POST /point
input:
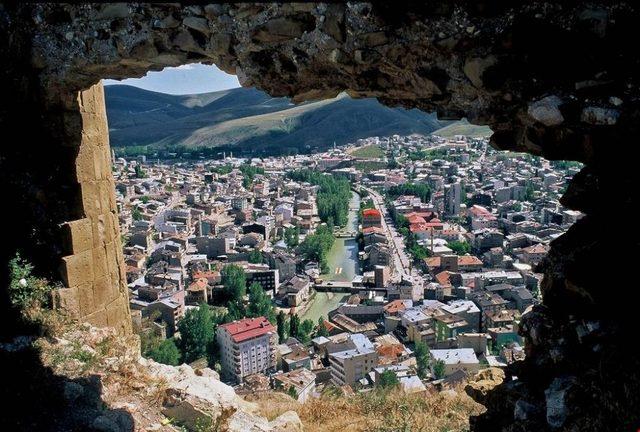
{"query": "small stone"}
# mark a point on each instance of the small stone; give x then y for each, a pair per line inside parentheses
(556, 399)
(474, 69)
(211, 11)
(616, 101)
(68, 36)
(524, 410)
(546, 111)
(198, 24)
(114, 11)
(599, 116)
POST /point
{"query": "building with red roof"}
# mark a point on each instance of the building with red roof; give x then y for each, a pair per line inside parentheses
(371, 218)
(247, 347)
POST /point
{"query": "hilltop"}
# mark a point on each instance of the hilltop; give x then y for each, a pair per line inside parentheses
(250, 119)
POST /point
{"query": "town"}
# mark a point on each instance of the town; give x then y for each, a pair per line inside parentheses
(401, 261)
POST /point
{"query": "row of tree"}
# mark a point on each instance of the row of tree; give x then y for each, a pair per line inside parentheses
(421, 190)
(333, 195)
(315, 247)
(304, 331)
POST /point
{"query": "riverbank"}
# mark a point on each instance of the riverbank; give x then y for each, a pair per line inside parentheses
(343, 264)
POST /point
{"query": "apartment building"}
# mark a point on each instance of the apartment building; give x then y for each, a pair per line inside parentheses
(247, 347)
(351, 360)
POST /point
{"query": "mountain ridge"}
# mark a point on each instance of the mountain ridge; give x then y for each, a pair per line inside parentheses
(251, 121)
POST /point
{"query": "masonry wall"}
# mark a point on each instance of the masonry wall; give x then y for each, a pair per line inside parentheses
(93, 271)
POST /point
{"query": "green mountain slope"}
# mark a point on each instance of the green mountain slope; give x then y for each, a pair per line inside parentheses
(251, 121)
(463, 127)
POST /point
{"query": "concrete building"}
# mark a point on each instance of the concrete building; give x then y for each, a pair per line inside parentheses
(303, 381)
(461, 359)
(371, 218)
(452, 199)
(247, 347)
(354, 359)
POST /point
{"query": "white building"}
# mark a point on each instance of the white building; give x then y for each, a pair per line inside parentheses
(351, 364)
(247, 347)
(457, 359)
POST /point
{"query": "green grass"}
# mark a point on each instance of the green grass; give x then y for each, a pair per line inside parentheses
(369, 152)
(463, 127)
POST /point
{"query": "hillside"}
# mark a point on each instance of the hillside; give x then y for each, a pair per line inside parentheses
(463, 127)
(250, 119)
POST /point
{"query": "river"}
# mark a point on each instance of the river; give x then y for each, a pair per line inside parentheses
(343, 266)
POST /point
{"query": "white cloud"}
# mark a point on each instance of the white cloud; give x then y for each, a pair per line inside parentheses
(184, 67)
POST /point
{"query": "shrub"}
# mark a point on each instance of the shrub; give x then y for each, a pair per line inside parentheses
(25, 289)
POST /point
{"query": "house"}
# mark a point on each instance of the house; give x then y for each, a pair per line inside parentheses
(302, 381)
(460, 359)
(371, 218)
(297, 290)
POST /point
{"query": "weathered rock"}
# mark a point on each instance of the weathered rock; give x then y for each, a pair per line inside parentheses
(599, 116)
(474, 69)
(198, 24)
(546, 111)
(483, 382)
(557, 396)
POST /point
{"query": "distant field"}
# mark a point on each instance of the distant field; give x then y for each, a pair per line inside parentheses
(369, 152)
(463, 127)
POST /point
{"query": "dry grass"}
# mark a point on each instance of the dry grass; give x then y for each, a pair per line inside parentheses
(377, 411)
(272, 404)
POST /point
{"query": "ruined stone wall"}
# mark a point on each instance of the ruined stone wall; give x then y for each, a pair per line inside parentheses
(93, 271)
(554, 78)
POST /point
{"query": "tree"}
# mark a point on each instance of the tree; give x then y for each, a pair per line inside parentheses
(260, 303)
(315, 247)
(235, 310)
(255, 257)
(439, 369)
(292, 236)
(422, 359)
(459, 248)
(294, 326)
(234, 282)
(281, 322)
(196, 333)
(388, 380)
(305, 331)
(140, 173)
(136, 214)
(322, 329)
(291, 391)
(166, 352)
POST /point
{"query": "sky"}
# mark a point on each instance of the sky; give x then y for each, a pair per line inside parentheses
(186, 79)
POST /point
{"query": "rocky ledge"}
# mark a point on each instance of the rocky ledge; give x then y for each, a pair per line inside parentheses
(108, 387)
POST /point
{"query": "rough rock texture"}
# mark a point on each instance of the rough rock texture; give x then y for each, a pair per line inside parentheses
(102, 384)
(558, 79)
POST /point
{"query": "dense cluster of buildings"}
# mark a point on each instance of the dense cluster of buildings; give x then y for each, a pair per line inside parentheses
(485, 228)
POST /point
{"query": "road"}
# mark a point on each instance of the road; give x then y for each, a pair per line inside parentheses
(401, 259)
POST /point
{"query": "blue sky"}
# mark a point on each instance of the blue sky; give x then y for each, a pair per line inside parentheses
(186, 79)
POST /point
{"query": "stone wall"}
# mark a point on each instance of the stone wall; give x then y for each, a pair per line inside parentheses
(94, 272)
(552, 78)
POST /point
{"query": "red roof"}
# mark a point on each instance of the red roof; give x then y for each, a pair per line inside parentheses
(248, 328)
(370, 230)
(415, 219)
(371, 212)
